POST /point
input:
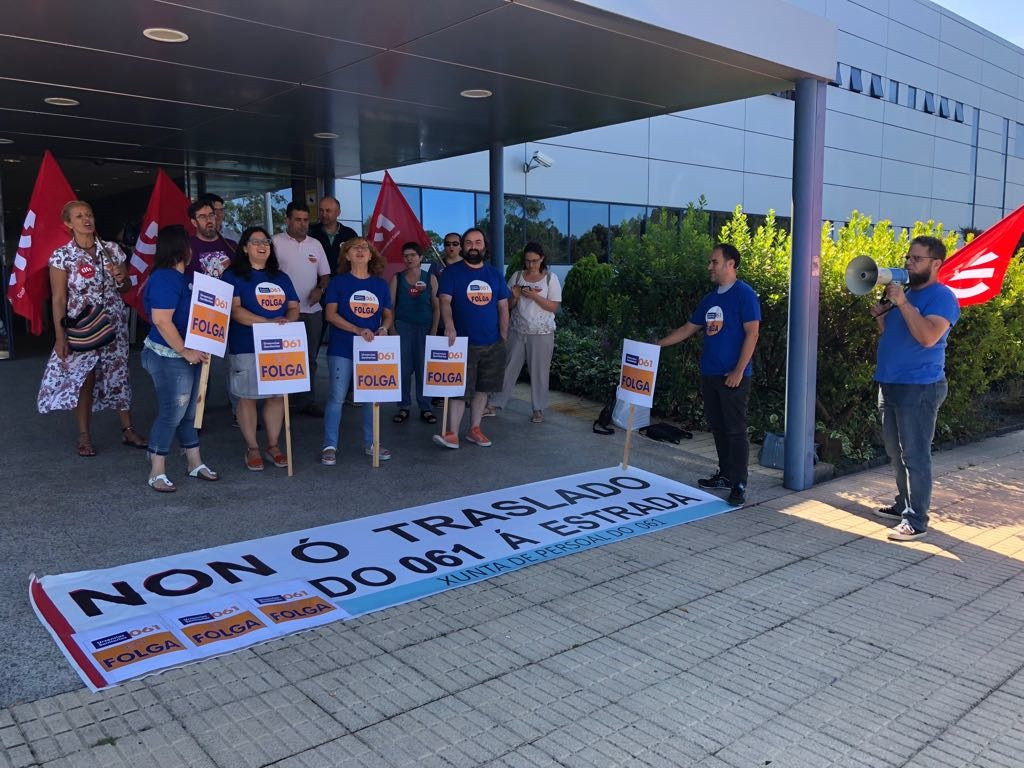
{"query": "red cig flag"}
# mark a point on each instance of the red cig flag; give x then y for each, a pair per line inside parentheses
(42, 233)
(393, 224)
(167, 205)
(975, 273)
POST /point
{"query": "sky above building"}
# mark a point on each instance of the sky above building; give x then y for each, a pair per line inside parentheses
(1003, 17)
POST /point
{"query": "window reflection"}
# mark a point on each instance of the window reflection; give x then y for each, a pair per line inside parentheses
(588, 230)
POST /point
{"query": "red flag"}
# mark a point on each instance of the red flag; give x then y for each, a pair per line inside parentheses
(393, 224)
(975, 273)
(42, 233)
(167, 205)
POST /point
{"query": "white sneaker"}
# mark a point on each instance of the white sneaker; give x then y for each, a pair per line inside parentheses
(385, 454)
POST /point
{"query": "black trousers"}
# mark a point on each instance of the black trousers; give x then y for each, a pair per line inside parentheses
(726, 411)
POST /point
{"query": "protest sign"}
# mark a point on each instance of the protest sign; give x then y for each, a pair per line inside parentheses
(282, 359)
(445, 374)
(210, 315)
(376, 370)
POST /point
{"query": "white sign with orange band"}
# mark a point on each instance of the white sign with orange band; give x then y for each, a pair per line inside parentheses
(376, 370)
(445, 374)
(639, 372)
(210, 315)
(282, 358)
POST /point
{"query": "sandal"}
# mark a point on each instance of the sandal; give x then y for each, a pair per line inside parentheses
(162, 484)
(490, 410)
(277, 458)
(401, 416)
(203, 472)
(537, 418)
(85, 446)
(138, 442)
(428, 416)
(253, 460)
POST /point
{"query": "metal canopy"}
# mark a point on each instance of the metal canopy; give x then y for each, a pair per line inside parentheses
(244, 95)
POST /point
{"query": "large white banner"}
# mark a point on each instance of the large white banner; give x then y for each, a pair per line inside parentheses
(445, 374)
(282, 358)
(209, 316)
(119, 623)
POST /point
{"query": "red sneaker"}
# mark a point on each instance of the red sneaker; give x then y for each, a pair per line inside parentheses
(476, 436)
(448, 440)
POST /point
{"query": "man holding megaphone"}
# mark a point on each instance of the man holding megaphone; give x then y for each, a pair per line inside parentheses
(914, 322)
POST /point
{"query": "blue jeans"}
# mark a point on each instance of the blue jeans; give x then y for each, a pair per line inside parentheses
(340, 381)
(413, 340)
(177, 389)
(908, 414)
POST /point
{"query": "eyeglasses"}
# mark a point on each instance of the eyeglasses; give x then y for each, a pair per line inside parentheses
(362, 248)
(452, 244)
(259, 242)
(531, 261)
(206, 217)
(915, 259)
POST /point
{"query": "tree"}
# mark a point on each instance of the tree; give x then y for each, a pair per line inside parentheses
(244, 212)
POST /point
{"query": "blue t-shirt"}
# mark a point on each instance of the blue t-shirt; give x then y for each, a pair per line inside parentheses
(475, 295)
(901, 358)
(168, 289)
(261, 294)
(722, 315)
(361, 301)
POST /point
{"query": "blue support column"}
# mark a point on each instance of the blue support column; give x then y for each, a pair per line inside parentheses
(496, 235)
(802, 355)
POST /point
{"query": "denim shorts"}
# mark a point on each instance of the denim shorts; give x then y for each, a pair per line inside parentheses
(244, 382)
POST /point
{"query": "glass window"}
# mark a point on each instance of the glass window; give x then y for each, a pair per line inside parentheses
(412, 196)
(943, 107)
(626, 220)
(446, 211)
(1019, 143)
(876, 87)
(545, 221)
(839, 75)
(958, 112)
(912, 97)
(894, 92)
(929, 102)
(588, 230)
(856, 84)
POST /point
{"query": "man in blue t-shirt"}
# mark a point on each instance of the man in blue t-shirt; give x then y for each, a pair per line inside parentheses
(474, 303)
(731, 319)
(911, 379)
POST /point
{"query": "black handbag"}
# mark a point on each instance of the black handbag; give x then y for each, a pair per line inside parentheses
(90, 330)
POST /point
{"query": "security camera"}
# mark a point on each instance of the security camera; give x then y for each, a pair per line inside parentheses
(539, 159)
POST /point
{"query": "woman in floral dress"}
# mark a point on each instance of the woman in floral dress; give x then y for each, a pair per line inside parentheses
(88, 272)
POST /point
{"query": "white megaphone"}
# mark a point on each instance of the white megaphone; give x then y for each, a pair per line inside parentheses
(863, 274)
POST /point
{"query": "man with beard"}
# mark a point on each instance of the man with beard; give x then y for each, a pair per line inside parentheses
(330, 232)
(211, 253)
(474, 303)
(911, 380)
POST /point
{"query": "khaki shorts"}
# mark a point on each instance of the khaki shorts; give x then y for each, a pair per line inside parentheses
(485, 369)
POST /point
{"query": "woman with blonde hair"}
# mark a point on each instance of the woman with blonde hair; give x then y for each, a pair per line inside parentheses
(357, 303)
(88, 368)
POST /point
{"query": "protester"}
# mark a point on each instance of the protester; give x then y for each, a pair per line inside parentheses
(474, 303)
(175, 369)
(263, 294)
(911, 380)
(357, 303)
(730, 317)
(302, 258)
(536, 297)
(451, 254)
(211, 252)
(87, 278)
(414, 299)
(219, 211)
(331, 233)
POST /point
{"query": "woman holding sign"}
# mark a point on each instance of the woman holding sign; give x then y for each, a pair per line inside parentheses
(263, 294)
(414, 298)
(357, 303)
(174, 368)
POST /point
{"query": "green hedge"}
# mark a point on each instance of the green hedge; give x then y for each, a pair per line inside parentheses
(654, 280)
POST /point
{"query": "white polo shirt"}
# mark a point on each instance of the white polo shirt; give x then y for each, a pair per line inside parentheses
(304, 262)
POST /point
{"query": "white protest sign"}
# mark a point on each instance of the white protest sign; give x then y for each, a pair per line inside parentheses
(209, 315)
(445, 374)
(282, 359)
(376, 370)
(638, 373)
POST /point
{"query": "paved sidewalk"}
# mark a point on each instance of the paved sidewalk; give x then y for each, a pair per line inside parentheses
(788, 633)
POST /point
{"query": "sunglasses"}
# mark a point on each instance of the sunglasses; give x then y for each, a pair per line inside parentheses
(452, 244)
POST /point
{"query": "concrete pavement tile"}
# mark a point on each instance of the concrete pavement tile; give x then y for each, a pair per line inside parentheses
(344, 752)
(460, 659)
(164, 746)
(261, 729)
(313, 653)
(370, 691)
(537, 632)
